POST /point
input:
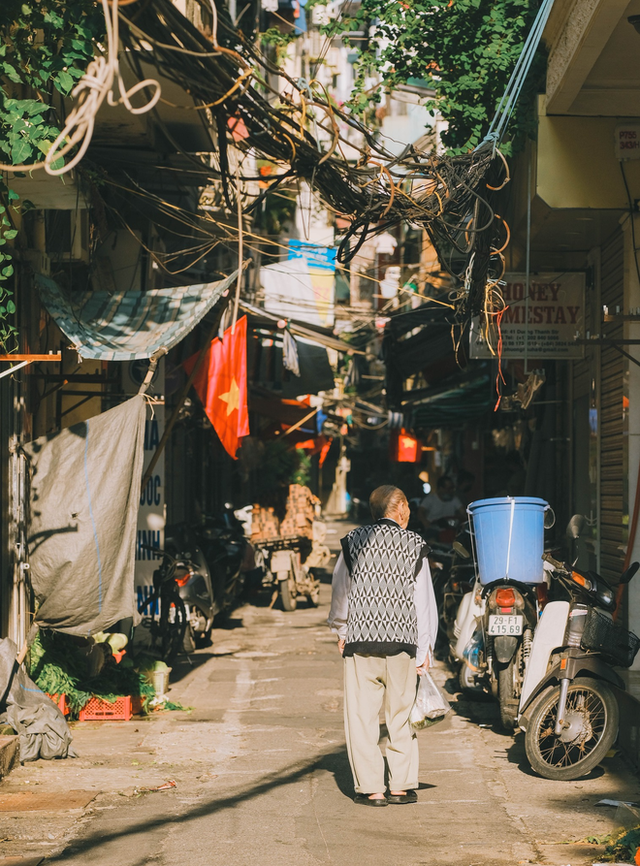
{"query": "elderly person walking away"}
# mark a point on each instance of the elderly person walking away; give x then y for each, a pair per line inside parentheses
(383, 610)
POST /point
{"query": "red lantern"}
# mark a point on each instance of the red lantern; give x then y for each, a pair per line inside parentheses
(408, 449)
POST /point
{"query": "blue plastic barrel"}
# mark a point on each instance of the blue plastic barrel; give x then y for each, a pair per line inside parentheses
(509, 538)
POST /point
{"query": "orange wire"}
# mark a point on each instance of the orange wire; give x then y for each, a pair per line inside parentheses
(507, 178)
(506, 243)
(500, 375)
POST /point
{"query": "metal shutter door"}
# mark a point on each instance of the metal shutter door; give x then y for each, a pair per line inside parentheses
(612, 452)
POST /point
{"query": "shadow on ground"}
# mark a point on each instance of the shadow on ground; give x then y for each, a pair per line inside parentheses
(334, 762)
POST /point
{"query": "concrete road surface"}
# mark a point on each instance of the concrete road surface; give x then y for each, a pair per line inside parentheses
(262, 779)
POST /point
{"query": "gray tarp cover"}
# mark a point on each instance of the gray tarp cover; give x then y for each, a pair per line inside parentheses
(42, 728)
(85, 492)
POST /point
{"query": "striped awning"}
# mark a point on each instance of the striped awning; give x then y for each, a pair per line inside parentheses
(125, 326)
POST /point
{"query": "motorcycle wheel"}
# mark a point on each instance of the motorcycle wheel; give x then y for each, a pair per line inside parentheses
(592, 714)
(507, 695)
(288, 593)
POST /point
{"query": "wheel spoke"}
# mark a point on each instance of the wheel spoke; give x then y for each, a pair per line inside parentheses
(584, 705)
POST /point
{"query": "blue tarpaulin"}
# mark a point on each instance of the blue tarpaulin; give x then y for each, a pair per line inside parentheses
(125, 326)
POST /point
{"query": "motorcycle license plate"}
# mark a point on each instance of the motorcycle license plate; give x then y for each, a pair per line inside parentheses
(503, 624)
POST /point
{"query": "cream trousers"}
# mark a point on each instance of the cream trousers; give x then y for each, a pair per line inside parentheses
(370, 681)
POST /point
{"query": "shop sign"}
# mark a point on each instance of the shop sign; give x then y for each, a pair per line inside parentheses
(317, 256)
(545, 322)
(151, 515)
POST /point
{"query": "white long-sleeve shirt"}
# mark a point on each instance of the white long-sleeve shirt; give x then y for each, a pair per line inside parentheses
(424, 600)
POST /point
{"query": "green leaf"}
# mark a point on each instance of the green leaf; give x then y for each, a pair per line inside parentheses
(8, 271)
(35, 108)
(11, 307)
(11, 72)
(64, 82)
(10, 234)
(20, 152)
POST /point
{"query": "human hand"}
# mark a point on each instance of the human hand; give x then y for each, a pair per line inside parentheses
(341, 643)
(423, 668)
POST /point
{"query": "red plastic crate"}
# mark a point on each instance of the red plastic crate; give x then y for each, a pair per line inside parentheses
(61, 702)
(98, 710)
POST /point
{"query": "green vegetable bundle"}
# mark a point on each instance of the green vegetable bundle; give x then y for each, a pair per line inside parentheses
(58, 665)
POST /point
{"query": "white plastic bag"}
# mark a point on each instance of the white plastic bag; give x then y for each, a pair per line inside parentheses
(430, 705)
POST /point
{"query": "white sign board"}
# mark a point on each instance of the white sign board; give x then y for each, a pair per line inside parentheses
(152, 514)
(547, 322)
(627, 141)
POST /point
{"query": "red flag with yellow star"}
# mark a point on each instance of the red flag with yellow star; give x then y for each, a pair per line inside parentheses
(221, 384)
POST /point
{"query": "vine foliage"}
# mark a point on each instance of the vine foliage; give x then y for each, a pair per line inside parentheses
(8, 331)
(464, 49)
(45, 47)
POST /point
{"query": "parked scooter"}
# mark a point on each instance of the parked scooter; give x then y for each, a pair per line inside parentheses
(460, 581)
(510, 618)
(567, 708)
(494, 629)
(195, 587)
(229, 557)
(493, 636)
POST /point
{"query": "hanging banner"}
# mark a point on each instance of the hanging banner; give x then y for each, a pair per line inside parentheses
(151, 513)
(545, 322)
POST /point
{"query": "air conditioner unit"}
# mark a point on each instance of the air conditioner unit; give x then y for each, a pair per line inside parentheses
(39, 262)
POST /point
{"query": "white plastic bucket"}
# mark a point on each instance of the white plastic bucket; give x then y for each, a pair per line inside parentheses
(160, 681)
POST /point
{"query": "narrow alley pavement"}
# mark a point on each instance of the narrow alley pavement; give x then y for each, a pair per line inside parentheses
(262, 779)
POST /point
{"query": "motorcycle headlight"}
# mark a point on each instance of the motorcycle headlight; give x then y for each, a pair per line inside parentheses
(606, 596)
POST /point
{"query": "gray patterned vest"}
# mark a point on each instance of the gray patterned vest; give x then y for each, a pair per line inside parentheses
(383, 561)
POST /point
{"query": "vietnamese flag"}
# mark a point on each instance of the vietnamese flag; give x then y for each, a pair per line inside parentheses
(221, 384)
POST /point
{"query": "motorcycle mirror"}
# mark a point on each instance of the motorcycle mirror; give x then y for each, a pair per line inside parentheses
(630, 572)
(576, 526)
(461, 550)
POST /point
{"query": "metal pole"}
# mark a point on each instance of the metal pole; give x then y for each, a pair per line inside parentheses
(527, 278)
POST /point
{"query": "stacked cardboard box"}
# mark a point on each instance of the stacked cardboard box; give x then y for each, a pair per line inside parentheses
(265, 526)
(300, 513)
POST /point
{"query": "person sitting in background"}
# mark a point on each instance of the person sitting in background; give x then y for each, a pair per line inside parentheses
(439, 506)
(464, 484)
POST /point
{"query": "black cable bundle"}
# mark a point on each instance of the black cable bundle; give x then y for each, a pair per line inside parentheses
(447, 195)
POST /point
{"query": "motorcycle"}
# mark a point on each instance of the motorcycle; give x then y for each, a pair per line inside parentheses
(510, 619)
(495, 625)
(453, 574)
(459, 581)
(493, 637)
(567, 709)
(467, 642)
(229, 557)
(195, 588)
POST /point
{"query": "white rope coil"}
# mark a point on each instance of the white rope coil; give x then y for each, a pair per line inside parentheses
(96, 85)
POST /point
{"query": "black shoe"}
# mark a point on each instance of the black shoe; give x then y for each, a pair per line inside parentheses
(409, 797)
(363, 800)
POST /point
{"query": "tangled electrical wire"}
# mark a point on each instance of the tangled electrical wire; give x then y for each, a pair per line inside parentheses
(235, 91)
